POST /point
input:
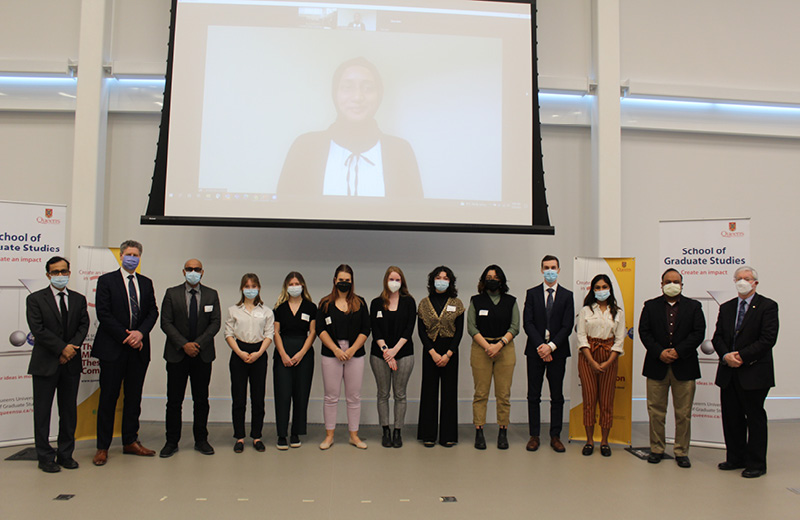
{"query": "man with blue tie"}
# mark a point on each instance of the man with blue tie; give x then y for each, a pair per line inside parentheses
(747, 329)
(548, 319)
(126, 312)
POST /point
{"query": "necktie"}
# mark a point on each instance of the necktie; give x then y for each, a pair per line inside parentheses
(740, 319)
(549, 305)
(62, 306)
(134, 299)
(192, 315)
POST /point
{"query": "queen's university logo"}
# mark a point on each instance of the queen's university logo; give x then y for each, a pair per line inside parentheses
(732, 226)
(48, 213)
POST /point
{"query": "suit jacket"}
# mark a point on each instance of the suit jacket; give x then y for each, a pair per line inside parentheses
(175, 323)
(113, 314)
(44, 320)
(754, 343)
(562, 319)
(690, 330)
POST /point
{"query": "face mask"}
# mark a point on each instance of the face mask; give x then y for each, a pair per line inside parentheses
(550, 275)
(671, 289)
(59, 282)
(441, 285)
(130, 262)
(602, 296)
(492, 285)
(193, 277)
(743, 287)
(250, 294)
(394, 285)
(343, 286)
(294, 290)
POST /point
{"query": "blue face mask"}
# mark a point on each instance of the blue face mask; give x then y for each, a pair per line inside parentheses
(602, 296)
(250, 293)
(441, 285)
(193, 277)
(130, 262)
(550, 275)
(59, 282)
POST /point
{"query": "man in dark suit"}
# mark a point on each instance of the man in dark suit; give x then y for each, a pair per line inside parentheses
(59, 323)
(190, 317)
(671, 328)
(127, 312)
(548, 319)
(747, 329)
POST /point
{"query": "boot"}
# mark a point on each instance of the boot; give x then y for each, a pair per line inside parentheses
(480, 440)
(397, 440)
(386, 441)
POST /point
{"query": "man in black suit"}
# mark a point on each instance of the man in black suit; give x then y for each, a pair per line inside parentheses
(127, 312)
(671, 328)
(747, 329)
(548, 319)
(190, 317)
(59, 323)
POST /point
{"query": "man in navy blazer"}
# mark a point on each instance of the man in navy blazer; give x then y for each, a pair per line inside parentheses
(126, 312)
(548, 319)
(747, 329)
(59, 323)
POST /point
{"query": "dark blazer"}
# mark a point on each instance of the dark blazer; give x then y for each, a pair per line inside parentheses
(113, 314)
(689, 333)
(175, 323)
(754, 342)
(44, 320)
(562, 319)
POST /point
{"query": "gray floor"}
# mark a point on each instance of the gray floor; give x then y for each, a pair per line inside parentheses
(380, 483)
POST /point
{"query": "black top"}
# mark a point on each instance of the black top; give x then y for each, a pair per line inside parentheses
(442, 344)
(390, 326)
(295, 324)
(493, 321)
(340, 326)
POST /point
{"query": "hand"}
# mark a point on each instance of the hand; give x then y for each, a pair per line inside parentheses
(544, 350)
(732, 359)
(69, 352)
(597, 367)
(191, 348)
(297, 358)
(287, 361)
(62, 360)
(548, 359)
(389, 354)
(244, 356)
(435, 356)
(134, 339)
(253, 356)
(340, 354)
(665, 356)
(494, 349)
(392, 364)
(443, 360)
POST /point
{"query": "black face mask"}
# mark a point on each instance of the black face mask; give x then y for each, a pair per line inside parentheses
(492, 285)
(343, 286)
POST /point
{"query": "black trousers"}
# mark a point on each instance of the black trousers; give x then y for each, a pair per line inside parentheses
(432, 420)
(45, 388)
(256, 374)
(554, 370)
(744, 424)
(292, 387)
(128, 372)
(198, 372)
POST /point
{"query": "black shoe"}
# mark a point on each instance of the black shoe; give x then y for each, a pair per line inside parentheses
(204, 447)
(168, 450)
(294, 441)
(448, 444)
(238, 447)
(728, 466)
(480, 440)
(397, 439)
(259, 446)
(282, 444)
(605, 450)
(502, 439)
(429, 444)
(588, 449)
(49, 467)
(69, 463)
(386, 440)
(748, 473)
(655, 458)
(683, 462)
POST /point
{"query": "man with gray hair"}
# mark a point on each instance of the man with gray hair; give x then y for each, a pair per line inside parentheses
(747, 329)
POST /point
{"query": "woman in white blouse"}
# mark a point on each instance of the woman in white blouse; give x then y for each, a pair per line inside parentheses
(601, 332)
(248, 331)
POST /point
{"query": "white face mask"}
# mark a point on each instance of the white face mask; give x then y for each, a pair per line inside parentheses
(394, 285)
(294, 290)
(671, 289)
(743, 287)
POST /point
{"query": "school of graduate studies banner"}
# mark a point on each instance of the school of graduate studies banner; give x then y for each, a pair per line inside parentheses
(622, 273)
(92, 262)
(706, 253)
(30, 234)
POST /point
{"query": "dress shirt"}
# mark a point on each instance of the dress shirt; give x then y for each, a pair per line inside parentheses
(125, 275)
(58, 298)
(545, 293)
(599, 324)
(189, 290)
(250, 326)
(365, 171)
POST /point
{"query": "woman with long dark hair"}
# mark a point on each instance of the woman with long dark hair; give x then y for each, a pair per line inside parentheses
(343, 327)
(601, 332)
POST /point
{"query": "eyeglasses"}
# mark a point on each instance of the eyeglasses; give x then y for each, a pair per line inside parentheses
(195, 269)
(62, 272)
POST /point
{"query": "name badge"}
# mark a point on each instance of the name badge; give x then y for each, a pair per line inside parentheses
(305, 317)
(328, 320)
(208, 308)
(380, 314)
(483, 312)
(451, 308)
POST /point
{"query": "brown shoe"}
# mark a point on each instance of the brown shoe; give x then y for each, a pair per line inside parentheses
(533, 444)
(100, 458)
(136, 448)
(557, 445)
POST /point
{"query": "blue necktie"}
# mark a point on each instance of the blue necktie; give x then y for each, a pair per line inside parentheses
(740, 319)
(134, 299)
